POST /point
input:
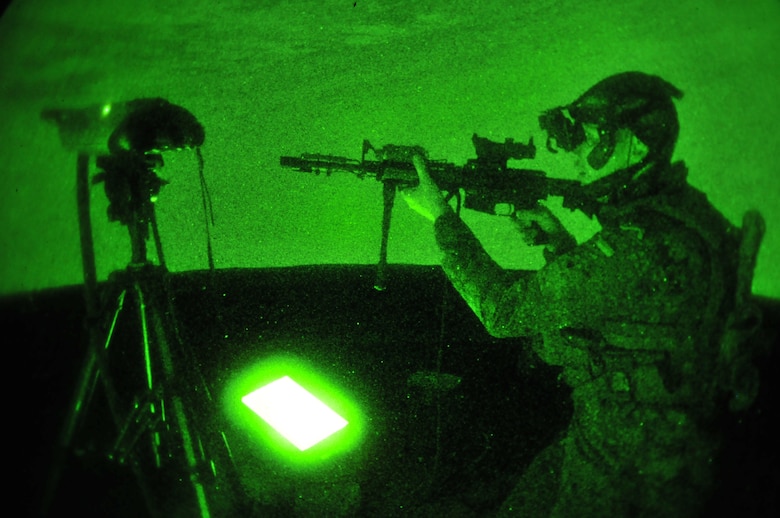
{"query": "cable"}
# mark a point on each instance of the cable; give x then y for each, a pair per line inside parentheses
(208, 210)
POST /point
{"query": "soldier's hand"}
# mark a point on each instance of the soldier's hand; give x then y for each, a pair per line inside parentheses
(426, 198)
(537, 224)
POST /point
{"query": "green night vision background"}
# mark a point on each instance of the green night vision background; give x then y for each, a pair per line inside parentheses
(273, 78)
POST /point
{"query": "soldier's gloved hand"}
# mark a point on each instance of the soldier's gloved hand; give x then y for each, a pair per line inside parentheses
(426, 198)
(538, 225)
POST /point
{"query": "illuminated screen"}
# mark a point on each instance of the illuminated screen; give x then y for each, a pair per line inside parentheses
(294, 412)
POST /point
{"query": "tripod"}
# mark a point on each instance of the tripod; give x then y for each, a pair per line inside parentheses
(152, 391)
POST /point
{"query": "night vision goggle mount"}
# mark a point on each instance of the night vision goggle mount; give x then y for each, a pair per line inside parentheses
(564, 124)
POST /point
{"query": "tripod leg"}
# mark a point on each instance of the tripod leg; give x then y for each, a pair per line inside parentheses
(75, 412)
(206, 466)
(93, 369)
(182, 423)
(86, 377)
(85, 385)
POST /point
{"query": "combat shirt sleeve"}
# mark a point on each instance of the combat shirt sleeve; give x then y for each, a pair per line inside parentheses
(506, 304)
(623, 274)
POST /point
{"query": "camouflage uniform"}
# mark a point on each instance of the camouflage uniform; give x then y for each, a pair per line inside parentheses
(632, 316)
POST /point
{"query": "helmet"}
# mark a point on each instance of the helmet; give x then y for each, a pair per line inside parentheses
(156, 124)
(636, 101)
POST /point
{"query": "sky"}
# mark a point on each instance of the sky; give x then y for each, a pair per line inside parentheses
(271, 79)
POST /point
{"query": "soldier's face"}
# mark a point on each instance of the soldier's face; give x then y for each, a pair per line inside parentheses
(628, 151)
(574, 165)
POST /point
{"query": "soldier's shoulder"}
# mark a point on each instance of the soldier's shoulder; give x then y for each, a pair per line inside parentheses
(648, 232)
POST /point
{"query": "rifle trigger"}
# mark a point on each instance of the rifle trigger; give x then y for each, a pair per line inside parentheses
(503, 209)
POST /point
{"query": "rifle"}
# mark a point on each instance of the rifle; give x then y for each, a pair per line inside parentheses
(483, 184)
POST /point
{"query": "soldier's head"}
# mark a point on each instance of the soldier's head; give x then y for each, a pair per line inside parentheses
(626, 123)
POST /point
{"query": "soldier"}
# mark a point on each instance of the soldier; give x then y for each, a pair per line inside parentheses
(648, 318)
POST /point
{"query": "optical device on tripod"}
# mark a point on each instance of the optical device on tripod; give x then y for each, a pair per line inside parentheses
(181, 463)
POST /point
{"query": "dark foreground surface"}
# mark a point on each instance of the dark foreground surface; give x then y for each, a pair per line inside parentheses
(453, 415)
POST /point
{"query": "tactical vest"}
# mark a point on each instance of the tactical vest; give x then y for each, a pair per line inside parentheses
(712, 358)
